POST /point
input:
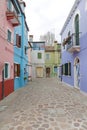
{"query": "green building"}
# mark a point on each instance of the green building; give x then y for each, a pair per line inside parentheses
(52, 59)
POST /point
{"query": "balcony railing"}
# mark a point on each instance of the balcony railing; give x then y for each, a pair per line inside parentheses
(73, 45)
(12, 17)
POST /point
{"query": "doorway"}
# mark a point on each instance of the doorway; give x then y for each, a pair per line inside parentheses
(77, 73)
(39, 72)
(48, 72)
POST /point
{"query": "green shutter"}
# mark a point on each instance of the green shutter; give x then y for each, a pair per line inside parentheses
(6, 70)
(77, 29)
(39, 56)
(69, 68)
(66, 69)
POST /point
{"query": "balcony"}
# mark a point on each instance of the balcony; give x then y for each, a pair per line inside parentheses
(13, 18)
(73, 44)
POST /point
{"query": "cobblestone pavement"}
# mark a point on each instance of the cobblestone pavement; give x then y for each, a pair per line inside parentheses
(45, 104)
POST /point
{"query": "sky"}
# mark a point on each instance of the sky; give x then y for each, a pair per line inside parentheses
(47, 15)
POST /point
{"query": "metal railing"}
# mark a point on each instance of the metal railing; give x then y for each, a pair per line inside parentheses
(74, 41)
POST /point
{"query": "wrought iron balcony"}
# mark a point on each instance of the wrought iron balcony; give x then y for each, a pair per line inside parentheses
(12, 17)
(73, 44)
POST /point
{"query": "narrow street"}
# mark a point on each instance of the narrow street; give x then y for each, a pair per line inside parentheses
(45, 104)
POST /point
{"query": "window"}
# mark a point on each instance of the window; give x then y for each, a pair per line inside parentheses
(69, 41)
(63, 43)
(6, 71)
(55, 69)
(9, 5)
(77, 29)
(47, 56)
(66, 69)
(9, 35)
(39, 55)
(18, 40)
(25, 50)
(16, 70)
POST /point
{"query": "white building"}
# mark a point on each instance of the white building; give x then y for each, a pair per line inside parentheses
(38, 62)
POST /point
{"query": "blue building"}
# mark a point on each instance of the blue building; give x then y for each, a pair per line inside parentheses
(74, 46)
(20, 49)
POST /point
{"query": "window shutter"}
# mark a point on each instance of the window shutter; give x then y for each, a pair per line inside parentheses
(69, 68)
(66, 69)
(18, 40)
(18, 71)
(39, 55)
(15, 70)
(77, 29)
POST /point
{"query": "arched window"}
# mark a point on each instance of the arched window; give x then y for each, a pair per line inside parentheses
(77, 29)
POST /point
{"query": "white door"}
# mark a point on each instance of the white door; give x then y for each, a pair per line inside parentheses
(77, 73)
(39, 72)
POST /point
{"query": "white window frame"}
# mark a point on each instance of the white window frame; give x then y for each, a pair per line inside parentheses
(48, 56)
(7, 35)
(8, 70)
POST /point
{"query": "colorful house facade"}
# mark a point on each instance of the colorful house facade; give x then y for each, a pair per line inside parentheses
(74, 46)
(8, 20)
(21, 49)
(29, 62)
(52, 59)
(38, 59)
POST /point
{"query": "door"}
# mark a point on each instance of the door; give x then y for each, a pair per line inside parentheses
(39, 72)
(77, 73)
(48, 72)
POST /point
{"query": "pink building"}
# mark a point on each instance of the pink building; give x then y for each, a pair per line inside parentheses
(8, 20)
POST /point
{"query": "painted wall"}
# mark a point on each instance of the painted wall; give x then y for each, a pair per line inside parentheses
(38, 47)
(29, 63)
(54, 59)
(19, 53)
(6, 54)
(81, 9)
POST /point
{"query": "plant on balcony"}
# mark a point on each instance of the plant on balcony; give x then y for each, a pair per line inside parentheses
(66, 40)
(25, 78)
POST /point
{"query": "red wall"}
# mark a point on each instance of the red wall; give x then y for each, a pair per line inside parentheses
(8, 87)
(0, 90)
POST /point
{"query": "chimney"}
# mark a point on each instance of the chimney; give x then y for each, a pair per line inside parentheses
(22, 4)
(55, 41)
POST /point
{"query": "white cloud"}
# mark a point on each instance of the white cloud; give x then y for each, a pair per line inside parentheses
(45, 15)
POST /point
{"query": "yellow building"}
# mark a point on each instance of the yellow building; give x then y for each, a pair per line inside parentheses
(52, 59)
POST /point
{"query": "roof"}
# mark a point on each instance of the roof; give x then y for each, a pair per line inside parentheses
(21, 11)
(38, 42)
(74, 7)
(49, 48)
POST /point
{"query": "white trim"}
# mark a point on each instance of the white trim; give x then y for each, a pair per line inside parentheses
(73, 20)
(75, 77)
(73, 9)
(8, 70)
(11, 35)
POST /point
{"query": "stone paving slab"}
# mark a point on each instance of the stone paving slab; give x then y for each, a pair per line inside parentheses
(44, 104)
